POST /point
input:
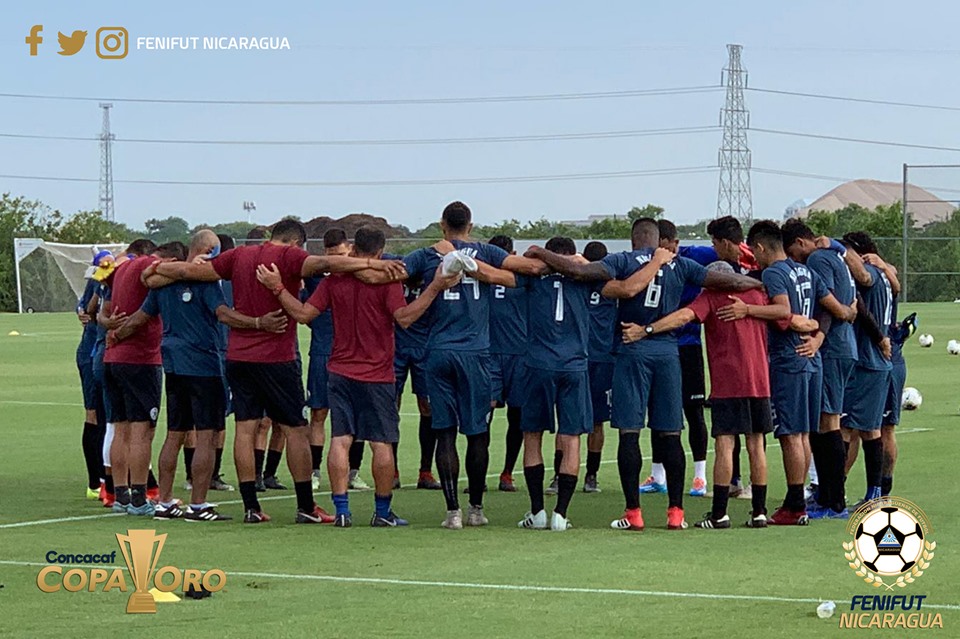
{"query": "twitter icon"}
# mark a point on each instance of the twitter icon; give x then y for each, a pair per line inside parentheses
(71, 44)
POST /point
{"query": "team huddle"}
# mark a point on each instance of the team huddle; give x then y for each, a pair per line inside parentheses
(801, 337)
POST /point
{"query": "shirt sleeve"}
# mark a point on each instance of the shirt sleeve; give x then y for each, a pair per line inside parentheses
(820, 267)
(701, 307)
(223, 264)
(616, 265)
(151, 305)
(700, 254)
(492, 255)
(393, 298)
(692, 273)
(293, 259)
(414, 263)
(320, 299)
(874, 274)
(213, 297)
(820, 289)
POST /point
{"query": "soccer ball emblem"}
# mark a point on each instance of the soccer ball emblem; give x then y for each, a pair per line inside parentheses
(889, 541)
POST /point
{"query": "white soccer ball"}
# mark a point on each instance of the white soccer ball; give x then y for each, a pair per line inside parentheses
(953, 347)
(911, 399)
(926, 340)
(889, 541)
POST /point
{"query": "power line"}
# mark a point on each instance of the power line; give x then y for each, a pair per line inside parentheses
(598, 135)
(840, 98)
(837, 138)
(595, 95)
(834, 178)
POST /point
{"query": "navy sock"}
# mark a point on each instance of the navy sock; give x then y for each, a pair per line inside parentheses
(382, 504)
(138, 495)
(534, 478)
(629, 463)
(566, 484)
(342, 504)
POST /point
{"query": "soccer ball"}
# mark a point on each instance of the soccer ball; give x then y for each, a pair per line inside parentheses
(889, 541)
(926, 340)
(911, 398)
(953, 347)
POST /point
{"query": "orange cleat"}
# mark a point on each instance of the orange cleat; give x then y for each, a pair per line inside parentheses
(632, 520)
(675, 520)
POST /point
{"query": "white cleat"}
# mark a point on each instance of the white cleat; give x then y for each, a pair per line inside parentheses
(315, 480)
(534, 522)
(454, 520)
(475, 516)
(355, 482)
(560, 523)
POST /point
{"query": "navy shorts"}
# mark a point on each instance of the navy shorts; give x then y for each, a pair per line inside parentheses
(507, 379)
(796, 401)
(836, 374)
(694, 384)
(556, 401)
(104, 415)
(866, 397)
(411, 361)
(601, 383)
(317, 377)
(195, 403)
(133, 391)
(366, 411)
(741, 416)
(458, 384)
(898, 379)
(88, 384)
(274, 390)
(646, 386)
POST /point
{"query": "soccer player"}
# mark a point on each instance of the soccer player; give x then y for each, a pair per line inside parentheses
(262, 367)
(795, 372)
(508, 345)
(321, 344)
(867, 389)
(646, 377)
(603, 320)
(362, 383)
(93, 425)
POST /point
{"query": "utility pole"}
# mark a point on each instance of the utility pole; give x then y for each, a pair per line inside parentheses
(734, 197)
(106, 165)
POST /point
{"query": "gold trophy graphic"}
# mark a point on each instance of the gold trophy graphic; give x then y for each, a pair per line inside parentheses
(138, 551)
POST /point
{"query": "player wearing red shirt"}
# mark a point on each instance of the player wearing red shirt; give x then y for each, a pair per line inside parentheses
(362, 387)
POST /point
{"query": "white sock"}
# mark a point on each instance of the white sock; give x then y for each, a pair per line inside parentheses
(659, 474)
(700, 470)
(199, 507)
(107, 442)
(813, 473)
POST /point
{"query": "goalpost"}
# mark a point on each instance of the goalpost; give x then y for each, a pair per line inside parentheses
(51, 276)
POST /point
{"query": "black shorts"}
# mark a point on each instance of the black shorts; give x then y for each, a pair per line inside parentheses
(133, 391)
(741, 416)
(272, 389)
(195, 403)
(691, 373)
(367, 411)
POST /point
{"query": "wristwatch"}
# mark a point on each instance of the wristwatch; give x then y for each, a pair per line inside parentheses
(648, 329)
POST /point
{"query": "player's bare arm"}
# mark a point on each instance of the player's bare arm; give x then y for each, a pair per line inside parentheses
(186, 271)
(840, 311)
(108, 319)
(569, 266)
(495, 276)
(273, 322)
(319, 264)
(639, 281)
(635, 332)
(299, 311)
(524, 265)
(888, 269)
(414, 310)
(801, 324)
(738, 309)
(857, 268)
(130, 326)
(729, 282)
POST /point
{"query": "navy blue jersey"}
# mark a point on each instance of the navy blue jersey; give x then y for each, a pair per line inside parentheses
(191, 343)
(414, 337)
(88, 338)
(227, 287)
(508, 319)
(321, 328)
(558, 322)
(878, 298)
(689, 334)
(829, 266)
(603, 324)
(103, 292)
(661, 297)
(803, 288)
(459, 319)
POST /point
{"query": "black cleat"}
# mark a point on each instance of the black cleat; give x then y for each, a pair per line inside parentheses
(272, 483)
(205, 514)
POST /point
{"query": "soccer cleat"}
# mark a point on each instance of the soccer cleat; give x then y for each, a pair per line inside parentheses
(590, 484)
(757, 521)
(746, 492)
(454, 520)
(699, 488)
(506, 483)
(784, 517)
(475, 516)
(427, 481)
(559, 523)
(255, 517)
(315, 480)
(735, 488)
(118, 507)
(833, 514)
(146, 510)
(205, 514)
(272, 483)
(103, 491)
(709, 522)
(342, 520)
(153, 494)
(651, 485)
(553, 487)
(108, 500)
(675, 520)
(631, 520)
(390, 521)
(810, 492)
(258, 484)
(355, 482)
(188, 485)
(217, 483)
(172, 511)
(92, 494)
(534, 522)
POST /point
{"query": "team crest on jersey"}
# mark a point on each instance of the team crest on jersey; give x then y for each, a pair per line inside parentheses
(186, 295)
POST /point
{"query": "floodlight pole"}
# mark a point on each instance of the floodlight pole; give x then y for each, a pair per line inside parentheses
(16, 268)
(906, 225)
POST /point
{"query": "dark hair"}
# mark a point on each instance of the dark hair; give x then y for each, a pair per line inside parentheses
(793, 230)
(457, 216)
(595, 251)
(288, 230)
(726, 228)
(176, 250)
(226, 242)
(334, 237)
(645, 228)
(767, 234)
(561, 246)
(503, 241)
(369, 241)
(668, 230)
(257, 233)
(860, 242)
(143, 246)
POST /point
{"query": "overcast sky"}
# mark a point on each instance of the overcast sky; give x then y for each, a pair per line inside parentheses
(381, 51)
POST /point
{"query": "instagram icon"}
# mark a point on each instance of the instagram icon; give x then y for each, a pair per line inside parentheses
(112, 43)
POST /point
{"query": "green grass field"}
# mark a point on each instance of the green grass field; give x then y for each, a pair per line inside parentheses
(292, 581)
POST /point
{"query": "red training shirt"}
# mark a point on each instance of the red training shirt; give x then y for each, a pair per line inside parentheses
(737, 350)
(252, 298)
(363, 343)
(127, 294)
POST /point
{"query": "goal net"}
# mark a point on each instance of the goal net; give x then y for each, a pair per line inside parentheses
(52, 276)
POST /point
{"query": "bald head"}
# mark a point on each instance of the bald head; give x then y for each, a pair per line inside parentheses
(202, 243)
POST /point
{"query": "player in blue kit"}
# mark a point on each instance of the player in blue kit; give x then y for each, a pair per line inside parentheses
(646, 378)
(898, 332)
(94, 425)
(795, 369)
(508, 345)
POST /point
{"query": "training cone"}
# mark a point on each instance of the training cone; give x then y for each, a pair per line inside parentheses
(13, 333)
(164, 597)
